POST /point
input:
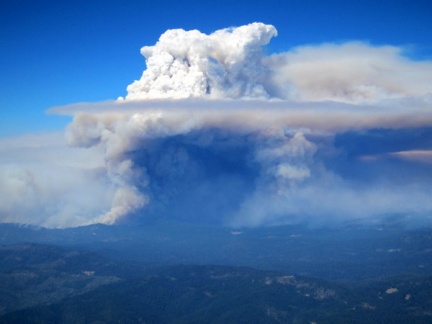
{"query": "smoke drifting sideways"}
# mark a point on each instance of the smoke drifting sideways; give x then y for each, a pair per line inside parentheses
(218, 131)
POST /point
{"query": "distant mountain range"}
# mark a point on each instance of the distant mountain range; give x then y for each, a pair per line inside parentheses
(351, 251)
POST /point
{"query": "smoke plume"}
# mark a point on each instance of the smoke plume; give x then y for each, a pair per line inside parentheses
(217, 131)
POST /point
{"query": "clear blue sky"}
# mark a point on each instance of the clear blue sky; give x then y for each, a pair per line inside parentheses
(59, 52)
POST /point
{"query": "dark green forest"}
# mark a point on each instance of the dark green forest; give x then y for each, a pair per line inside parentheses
(47, 284)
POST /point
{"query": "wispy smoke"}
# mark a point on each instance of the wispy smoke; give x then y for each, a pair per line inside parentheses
(215, 130)
(351, 72)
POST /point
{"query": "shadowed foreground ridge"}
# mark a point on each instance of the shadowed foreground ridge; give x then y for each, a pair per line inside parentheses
(92, 289)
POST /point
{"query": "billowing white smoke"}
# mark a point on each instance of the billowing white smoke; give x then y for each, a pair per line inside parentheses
(227, 63)
(216, 130)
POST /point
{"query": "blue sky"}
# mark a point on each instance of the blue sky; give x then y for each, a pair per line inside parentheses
(59, 52)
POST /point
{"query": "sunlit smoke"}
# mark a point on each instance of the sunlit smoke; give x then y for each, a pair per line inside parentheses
(227, 64)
